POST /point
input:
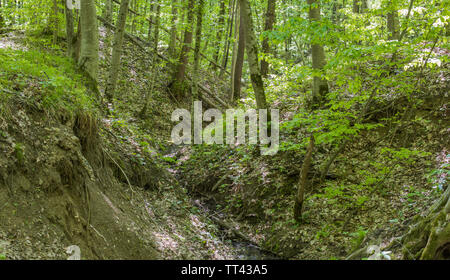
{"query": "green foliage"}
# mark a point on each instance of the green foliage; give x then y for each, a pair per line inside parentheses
(44, 81)
(358, 237)
(19, 150)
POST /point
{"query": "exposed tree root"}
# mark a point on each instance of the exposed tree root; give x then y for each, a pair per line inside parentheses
(429, 238)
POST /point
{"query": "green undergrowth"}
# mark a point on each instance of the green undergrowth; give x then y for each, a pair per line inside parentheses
(45, 80)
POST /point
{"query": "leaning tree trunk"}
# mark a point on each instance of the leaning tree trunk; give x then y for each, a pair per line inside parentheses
(88, 59)
(251, 46)
(429, 238)
(117, 50)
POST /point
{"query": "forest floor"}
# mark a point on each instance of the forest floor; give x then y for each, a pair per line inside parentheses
(72, 177)
(116, 187)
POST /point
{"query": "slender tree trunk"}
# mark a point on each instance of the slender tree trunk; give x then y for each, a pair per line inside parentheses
(88, 59)
(107, 12)
(251, 46)
(117, 50)
(55, 21)
(178, 84)
(198, 38)
(270, 21)
(227, 39)
(173, 29)
(356, 6)
(220, 31)
(393, 22)
(303, 181)
(320, 85)
(157, 19)
(150, 22)
(236, 74)
(69, 30)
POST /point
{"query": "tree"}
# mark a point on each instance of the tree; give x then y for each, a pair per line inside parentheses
(198, 41)
(156, 34)
(69, 30)
(238, 62)
(228, 38)
(320, 85)
(173, 29)
(251, 47)
(393, 21)
(220, 32)
(270, 21)
(178, 80)
(117, 50)
(88, 58)
(55, 21)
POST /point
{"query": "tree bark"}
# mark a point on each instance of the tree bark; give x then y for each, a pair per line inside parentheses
(55, 21)
(429, 238)
(270, 21)
(178, 83)
(251, 46)
(303, 181)
(320, 85)
(173, 29)
(117, 50)
(220, 31)
(227, 38)
(393, 22)
(88, 59)
(198, 38)
(238, 63)
(157, 19)
(69, 30)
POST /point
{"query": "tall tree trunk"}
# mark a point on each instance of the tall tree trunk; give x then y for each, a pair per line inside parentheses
(178, 83)
(238, 62)
(220, 31)
(356, 6)
(150, 22)
(228, 38)
(251, 46)
(198, 38)
(393, 22)
(117, 50)
(157, 19)
(173, 29)
(69, 30)
(55, 21)
(270, 21)
(107, 12)
(88, 59)
(320, 85)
